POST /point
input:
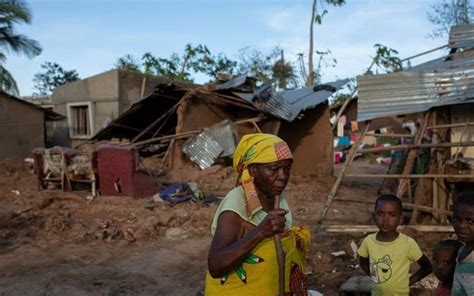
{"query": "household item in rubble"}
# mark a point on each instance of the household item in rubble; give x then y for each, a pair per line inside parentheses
(179, 192)
(121, 173)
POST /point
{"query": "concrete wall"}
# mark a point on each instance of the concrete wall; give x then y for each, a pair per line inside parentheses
(109, 94)
(21, 128)
(102, 87)
(130, 87)
(310, 139)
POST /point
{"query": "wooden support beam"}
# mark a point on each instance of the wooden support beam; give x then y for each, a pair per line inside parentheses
(373, 228)
(337, 183)
(256, 127)
(426, 209)
(154, 123)
(411, 157)
(391, 135)
(413, 146)
(414, 176)
(191, 133)
(451, 125)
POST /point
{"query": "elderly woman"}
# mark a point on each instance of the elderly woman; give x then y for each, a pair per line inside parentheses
(242, 259)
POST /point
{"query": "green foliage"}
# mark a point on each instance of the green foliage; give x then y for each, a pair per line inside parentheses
(386, 59)
(194, 60)
(268, 66)
(128, 62)
(53, 76)
(13, 13)
(340, 99)
(449, 13)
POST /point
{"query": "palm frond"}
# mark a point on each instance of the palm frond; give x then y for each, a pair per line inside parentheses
(18, 43)
(16, 11)
(7, 82)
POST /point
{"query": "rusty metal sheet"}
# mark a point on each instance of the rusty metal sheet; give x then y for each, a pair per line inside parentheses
(461, 36)
(412, 91)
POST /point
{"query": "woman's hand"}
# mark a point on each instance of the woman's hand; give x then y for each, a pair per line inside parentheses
(273, 223)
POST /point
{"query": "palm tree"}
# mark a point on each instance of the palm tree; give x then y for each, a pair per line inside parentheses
(13, 12)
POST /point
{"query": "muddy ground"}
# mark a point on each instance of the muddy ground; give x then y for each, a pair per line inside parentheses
(56, 243)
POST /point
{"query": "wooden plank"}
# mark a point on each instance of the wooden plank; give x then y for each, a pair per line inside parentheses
(337, 183)
(256, 127)
(190, 133)
(414, 176)
(168, 151)
(451, 125)
(391, 135)
(426, 209)
(373, 228)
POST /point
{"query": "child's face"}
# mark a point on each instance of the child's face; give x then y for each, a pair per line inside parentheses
(444, 262)
(387, 216)
(463, 222)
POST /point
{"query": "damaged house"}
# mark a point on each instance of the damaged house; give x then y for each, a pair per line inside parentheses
(194, 127)
(92, 103)
(438, 162)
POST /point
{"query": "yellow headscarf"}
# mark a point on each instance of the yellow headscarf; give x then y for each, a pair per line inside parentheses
(257, 148)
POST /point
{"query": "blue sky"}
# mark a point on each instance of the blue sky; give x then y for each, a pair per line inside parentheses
(90, 35)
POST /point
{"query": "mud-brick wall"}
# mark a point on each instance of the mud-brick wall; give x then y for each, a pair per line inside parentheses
(21, 128)
(310, 139)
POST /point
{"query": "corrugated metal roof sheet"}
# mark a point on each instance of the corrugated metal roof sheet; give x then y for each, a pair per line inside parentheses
(224, 134)
(203, 150)
(239, 82)
(459, 60)
(216, 141)
(412, 91)
(461, 36)
(306, 98)
(288, 104)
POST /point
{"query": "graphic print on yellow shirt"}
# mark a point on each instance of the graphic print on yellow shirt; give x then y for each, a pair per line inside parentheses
(381, 270)
(390, 262)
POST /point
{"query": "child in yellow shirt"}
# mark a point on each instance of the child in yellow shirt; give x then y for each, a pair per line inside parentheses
(387, 255)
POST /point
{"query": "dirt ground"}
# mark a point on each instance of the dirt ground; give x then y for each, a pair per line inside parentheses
(56, 243)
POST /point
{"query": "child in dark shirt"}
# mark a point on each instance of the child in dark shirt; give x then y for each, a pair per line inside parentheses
(444, 262)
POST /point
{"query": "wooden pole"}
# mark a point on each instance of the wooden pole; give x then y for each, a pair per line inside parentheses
(411, 157)
(412, 146)
(391, 135)
(336, 184)
(401, 176)
(280, 255)
(191, 133)
(172, 109)
(373, 228)
(256, 127)
(451, 125)
(168, 151)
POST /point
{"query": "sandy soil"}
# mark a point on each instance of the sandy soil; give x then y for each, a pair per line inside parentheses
(55, 243)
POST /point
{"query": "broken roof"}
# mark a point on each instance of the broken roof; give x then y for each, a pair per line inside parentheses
(461, 36)
(287, 104)
(441, 82)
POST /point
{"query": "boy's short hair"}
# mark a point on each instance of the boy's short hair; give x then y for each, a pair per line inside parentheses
(466, 199)
(390, 197)
(446, 244)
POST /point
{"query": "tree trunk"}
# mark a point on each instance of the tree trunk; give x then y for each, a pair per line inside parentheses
(310, 79)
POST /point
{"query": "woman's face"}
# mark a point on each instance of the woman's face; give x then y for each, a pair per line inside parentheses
(271, 178)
